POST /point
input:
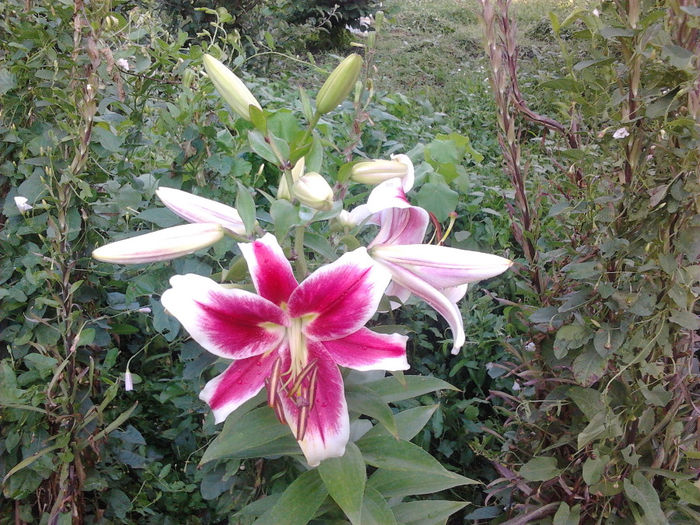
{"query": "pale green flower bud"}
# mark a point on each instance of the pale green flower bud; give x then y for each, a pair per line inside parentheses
(313, 191)
(376, 171)
(338, 84)
(297, 171)
(230, 87)
(161, 245)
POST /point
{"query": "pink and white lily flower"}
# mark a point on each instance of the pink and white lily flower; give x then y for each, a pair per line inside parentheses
(437, 274)
(290, 338)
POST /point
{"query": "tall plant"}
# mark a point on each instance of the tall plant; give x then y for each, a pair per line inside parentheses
(607, 426)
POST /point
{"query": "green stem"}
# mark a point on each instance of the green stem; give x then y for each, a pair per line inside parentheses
(302, 269)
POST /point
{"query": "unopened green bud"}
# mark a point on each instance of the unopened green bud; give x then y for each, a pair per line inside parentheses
(297, 171)
(338, 84)
(313, 191)
(230, 87)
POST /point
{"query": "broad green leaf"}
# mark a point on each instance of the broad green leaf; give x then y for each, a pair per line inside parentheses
(642, 492)
(375, 509)
(252, 431)
(685, 319)
(391, 389)
(261, 147)
(299, 503)
(369, 403)
(161, 217)
(8, 81)
(409, 422)
(426, 512)
(687, 491)
(607, 340)
(589, 366)
(345, 480)
(391, 483)
(593, 469)
(566, 515)
(438, 199)
(285, 215)
(587, 400)
(540, 469)
(570, 337)
(388, 453)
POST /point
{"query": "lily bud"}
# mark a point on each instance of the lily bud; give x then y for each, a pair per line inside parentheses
(313, 191)
(376, 171)
(338, 84)
(297, 171)
(230, 87)
(194, 208)
(161, 245)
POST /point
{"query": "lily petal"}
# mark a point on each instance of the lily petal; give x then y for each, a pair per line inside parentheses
(368, 350)
(237, 384)
(327, 427)
(269, 268)
(442, 266)
(401, 226)
(339, 298)
(160, 245)
(194, 208)
(420, 287)
(227, 322)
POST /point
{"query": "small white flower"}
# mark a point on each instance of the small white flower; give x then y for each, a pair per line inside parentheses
(488, 366)
(621, 133)
(596, 12)
(516, 386)
(123, 63)
(144, 310)
(530, 346)
(22, 204)
(128, 381)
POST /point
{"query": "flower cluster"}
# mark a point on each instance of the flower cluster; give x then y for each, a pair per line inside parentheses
(290, 337)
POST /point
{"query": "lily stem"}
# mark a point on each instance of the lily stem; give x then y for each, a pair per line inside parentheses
(302, 269)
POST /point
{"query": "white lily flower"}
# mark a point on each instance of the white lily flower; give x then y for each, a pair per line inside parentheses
(194, 208)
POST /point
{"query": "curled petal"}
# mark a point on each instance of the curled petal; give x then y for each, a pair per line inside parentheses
(326, 425)
(339, 298)
(194, 208)
(441, 266)
(401, 226)
(409, 178)
(368, 350)
(161, 245)
(237, 384)
(269, 269)
(227, 322)
(435, 298)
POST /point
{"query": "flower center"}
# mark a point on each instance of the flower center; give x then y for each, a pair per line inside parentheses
(297, 383)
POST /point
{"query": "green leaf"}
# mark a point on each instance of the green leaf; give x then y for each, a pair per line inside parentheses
(246, 208)
(364, 401)
(687, 491)
(642, 492)
(345, 480)
(41, 363)
(540, 469)
(161, 217)
(570, 337)
(438, 199)
(593, 469)
(8, 81)
(299, 503)
(388, 453)
(254, 430)
(285, 215)
(375, 509)
(391, 390)
(411, 483)
(685, 319)
(426, 512)
(261, 147)
(566, 515)
(589, 366)
(589, 401)
(408, 423)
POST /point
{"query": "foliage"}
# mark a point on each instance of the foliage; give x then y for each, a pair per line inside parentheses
(606, 426)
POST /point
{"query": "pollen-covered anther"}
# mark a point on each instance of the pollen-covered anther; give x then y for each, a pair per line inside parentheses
(272, 382)
(302, 422)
